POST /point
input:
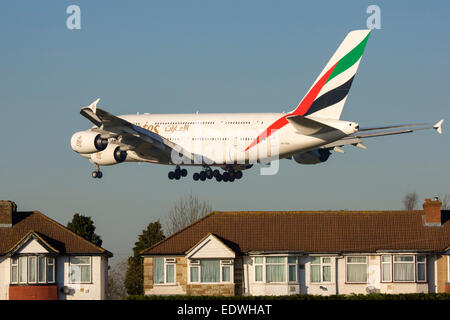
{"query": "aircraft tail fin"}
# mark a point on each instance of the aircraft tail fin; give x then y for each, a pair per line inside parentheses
(327, 96)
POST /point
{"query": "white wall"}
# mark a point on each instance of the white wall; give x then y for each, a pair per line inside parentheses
(4, 277)
(83, 291)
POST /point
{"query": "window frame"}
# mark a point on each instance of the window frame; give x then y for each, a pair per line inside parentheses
(28, 258)
(16, 272)
(321, 265)
(415, 262)
(391, 269)
(356, 263)
(286, 264)
(167, 261)
(195, 263)
(80, 264)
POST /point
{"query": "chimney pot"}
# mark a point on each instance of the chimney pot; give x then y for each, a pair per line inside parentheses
(7, 208)
(432, 210)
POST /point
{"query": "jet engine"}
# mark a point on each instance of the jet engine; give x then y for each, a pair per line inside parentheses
(111, 155)
(313, 156)
(88, 142)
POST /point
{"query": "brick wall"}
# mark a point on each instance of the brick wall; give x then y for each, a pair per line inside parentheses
(148, 273)
(33, 292)
(210, 289)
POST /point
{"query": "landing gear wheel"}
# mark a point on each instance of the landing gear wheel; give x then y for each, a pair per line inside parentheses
(238, 174)
(171, 175)
(219, 178)
(225, 177)
(196, 176)
(216, 173)
(99, 174)
(177, 174)
(183, 172)
(203, 175)
(209, 174)
(94, 174)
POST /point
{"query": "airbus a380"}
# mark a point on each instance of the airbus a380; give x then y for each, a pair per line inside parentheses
(235, 141)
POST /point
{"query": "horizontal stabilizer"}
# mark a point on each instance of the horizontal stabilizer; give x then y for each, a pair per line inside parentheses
(308, 127)
(438, 126)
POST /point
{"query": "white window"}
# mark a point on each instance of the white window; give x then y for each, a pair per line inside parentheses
(356, 269)
(50, 270)
(404, 268)
(320, 269)
(14, 270)
(32, 269)
(211, 271)
(259, 265)
(386, 268)
(421, 268)
(275, 269)
(164, 270)
(292, 269)
(79, 269)
(23, 269)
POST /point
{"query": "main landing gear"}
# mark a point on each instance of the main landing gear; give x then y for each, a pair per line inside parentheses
(208, 173)
(177, 173)
(97, 173)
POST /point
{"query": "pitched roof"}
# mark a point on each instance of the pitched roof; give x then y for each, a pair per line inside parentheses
(312, 231)
(49, 231)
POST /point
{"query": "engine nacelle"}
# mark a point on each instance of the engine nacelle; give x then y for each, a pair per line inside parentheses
(88, 142)
(313, 156)
(111, 155)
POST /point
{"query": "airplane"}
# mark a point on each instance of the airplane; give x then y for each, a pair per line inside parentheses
(234, 142)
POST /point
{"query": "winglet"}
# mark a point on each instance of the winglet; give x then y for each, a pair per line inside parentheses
(438, 126)
(93, 105)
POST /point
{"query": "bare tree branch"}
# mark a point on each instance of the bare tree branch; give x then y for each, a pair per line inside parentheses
(116, 279)
(184, 212)
(410, 201)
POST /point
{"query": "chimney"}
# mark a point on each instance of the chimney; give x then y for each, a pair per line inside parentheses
(432, 210)
(7, 208)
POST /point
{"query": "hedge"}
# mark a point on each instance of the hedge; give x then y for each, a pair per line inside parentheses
(373, 296)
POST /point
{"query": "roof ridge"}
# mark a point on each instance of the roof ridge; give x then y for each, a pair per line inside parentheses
(179, 231)
(67, 229)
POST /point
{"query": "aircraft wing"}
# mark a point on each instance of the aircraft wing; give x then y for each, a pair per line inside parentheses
(356, 138)
(130, 136)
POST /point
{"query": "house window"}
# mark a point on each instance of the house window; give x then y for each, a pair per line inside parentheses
(14, 269)
(259, 264)
(80, 270)
(275, 269)
(210, 271)
(320, 269)
(356, 269)
(32, 269)
(421, 264)
(292, 269)
(404, 268)
(386, 268)
(164, 270)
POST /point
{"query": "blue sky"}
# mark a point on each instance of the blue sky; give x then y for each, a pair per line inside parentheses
(215, 56)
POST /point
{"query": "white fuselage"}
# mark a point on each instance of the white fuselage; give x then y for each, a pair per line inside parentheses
(229, 138)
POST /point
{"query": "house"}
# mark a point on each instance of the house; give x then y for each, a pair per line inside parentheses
(41, 259)
(304, 252)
